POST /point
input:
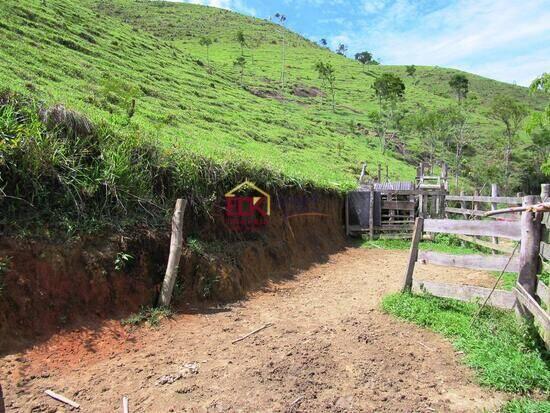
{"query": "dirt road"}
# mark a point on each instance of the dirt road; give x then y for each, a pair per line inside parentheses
(329, 348)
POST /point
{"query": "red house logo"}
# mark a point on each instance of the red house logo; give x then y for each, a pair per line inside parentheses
(247, 207)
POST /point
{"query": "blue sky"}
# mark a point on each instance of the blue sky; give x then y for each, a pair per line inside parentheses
(508, 40)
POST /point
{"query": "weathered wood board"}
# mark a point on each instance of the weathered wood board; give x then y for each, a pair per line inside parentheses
(487, 244)
(511, 230)
(474, 262)
(499, 298)
(491, 199)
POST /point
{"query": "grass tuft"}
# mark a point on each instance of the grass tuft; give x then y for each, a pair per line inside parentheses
(152, 316)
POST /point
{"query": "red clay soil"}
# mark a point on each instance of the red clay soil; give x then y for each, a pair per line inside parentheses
(328, 348)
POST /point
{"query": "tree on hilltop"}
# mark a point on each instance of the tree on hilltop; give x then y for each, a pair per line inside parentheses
(341, 49)
(460, 85)
(411, 70)
(365, 58)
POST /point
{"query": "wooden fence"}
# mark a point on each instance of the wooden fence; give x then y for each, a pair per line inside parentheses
(529, 292)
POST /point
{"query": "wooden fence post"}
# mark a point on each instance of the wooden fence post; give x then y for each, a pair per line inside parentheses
(413, 254)
(463, 206)
(176, 246)
(529, 252)
(544, 192)
(371, 213)
(347, 213)
(494, 193)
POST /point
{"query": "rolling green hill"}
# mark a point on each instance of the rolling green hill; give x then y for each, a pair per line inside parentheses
(97, 57)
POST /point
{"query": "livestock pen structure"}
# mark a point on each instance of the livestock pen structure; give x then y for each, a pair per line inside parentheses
(388, 209)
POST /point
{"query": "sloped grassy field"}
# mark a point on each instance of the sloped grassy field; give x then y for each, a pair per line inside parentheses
(97, 57)
(81, 53)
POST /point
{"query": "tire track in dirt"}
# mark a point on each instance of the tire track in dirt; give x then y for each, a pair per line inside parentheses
(329, 349)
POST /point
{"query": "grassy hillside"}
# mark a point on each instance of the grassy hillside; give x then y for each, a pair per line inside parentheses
(96, 57)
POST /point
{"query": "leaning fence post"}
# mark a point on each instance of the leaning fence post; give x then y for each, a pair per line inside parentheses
(176, 245)
(413, 254)
(529, 252)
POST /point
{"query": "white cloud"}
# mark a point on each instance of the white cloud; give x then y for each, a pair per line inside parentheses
(373, 6)
(499, 39)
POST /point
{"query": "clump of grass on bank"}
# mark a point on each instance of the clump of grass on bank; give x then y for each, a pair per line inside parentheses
(152, 316)
(62, 173)
(505, 355)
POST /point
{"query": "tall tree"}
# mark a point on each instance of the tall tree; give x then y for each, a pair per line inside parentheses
(341, 49)
(206, 42)
(240, 63)
(431, 127)
(365, 58)
(327, 75)
(241, 39)
(460, 85)
(282, 20)
(460, 135)
(511, 113)
(390, 90)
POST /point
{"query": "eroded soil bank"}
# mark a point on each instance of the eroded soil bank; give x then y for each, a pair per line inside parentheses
(47, 285)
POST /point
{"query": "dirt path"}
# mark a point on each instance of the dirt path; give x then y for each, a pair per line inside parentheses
(329, 349)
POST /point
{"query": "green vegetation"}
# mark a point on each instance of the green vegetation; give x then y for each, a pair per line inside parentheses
(148, 119)
(505, 355)
(526, 405)
(151, 316)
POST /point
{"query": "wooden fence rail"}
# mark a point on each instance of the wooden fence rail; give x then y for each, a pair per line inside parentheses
(511, 200)
(511, 230)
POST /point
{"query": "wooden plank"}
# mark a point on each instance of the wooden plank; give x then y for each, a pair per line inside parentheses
(499, 298)
(413, 254)
(465, 211)
(491, 199)
(474, 262)
(541, 317)
(511, 230)
(544, 293)
(486, 244)
(404, 205)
